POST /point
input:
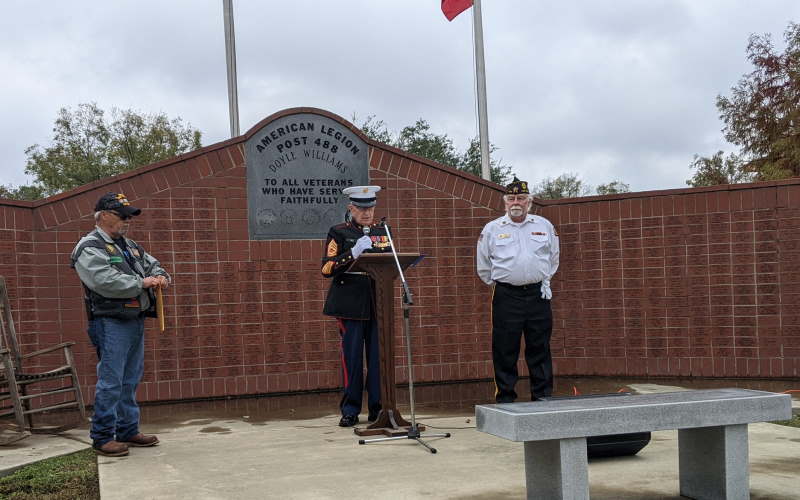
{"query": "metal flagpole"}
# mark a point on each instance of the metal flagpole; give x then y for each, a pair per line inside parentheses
(480, 76)
(230, 59)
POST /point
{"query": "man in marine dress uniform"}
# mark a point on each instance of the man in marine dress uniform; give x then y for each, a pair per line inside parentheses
(518, 254)
(118, 277)
(351, 300)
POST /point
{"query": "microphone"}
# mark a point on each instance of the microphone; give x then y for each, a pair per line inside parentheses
(365, 229)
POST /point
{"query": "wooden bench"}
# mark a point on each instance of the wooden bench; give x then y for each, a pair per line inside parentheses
(711, 424)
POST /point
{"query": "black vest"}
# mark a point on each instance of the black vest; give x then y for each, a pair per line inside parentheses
(99, 306)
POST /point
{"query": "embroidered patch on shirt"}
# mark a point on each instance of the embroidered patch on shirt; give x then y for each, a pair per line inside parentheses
(503, 236)
(110, 248)
(538, 233)
(115, 260)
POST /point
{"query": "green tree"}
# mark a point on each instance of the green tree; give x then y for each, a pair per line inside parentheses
(613, 187)
(761, 117)
(471, 162)
(25, 192)
(564, 186)
(375, 129)
(718, 170)
(418, 139)
(87, 146)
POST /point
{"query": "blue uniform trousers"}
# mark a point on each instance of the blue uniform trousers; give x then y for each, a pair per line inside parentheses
(358, 337)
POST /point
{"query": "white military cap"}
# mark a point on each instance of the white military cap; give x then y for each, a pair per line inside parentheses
(362, 196)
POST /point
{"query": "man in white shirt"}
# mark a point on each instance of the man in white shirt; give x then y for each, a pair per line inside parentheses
(518, 255)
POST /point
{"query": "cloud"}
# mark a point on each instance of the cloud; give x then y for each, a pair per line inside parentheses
(622, 90)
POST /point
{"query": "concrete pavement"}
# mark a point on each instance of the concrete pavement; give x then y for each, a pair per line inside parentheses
(38, 447)
(315, 459)
(307, 456)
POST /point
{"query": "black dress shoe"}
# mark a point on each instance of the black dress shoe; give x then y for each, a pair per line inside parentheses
(348, 421)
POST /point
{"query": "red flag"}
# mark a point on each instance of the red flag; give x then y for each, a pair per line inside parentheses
(452, 8)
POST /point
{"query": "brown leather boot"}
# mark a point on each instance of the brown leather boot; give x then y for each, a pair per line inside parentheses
(142, 440)
(112, 449)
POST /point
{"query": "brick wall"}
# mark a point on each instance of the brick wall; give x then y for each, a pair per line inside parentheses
(695, 282)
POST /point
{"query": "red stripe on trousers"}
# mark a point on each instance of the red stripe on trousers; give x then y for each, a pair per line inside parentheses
(341, 352)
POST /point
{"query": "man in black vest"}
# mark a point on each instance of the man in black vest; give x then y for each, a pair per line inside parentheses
(351, 300)
(119, 278)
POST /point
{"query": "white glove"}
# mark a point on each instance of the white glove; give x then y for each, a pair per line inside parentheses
(546, 292)
(361, 244)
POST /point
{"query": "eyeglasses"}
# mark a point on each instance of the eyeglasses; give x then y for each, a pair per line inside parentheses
(120, 217)
(521, 197)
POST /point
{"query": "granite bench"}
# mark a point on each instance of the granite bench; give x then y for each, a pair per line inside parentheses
(711, 424)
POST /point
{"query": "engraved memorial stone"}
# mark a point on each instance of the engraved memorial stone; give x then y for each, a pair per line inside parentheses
(297, 167)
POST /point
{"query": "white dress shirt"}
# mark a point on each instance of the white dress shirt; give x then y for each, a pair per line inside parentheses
(517, 253)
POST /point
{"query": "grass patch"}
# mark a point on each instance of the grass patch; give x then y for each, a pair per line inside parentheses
(60, 478)
(793, 422)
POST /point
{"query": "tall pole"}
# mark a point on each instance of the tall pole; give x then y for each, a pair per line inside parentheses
(230, 60)
(480, 76)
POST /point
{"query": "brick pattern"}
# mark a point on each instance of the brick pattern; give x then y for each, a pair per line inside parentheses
(694, 282)
(244, 317)
(690, 283)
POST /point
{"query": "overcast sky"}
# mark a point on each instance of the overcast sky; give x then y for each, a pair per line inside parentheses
(610, 90)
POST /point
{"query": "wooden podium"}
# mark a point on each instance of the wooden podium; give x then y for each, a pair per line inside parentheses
(383, 269)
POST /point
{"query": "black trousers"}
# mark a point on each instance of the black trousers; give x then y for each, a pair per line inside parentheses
(518, 311)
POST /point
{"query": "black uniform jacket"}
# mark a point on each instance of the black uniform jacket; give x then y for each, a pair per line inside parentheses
(350, 295)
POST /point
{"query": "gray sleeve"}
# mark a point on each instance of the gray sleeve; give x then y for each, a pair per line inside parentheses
(152, 267)
(101, 277)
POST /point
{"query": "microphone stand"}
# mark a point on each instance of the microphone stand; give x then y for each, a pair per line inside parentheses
(408, 300)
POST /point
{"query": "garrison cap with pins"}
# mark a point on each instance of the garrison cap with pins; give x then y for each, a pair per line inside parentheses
(362, 196)
(117, 202)
(517, 187)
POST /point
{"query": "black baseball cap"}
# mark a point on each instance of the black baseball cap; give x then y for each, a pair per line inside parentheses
(117, 202)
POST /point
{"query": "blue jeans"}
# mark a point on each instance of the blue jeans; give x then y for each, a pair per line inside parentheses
(116, 414)
(95, 332)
